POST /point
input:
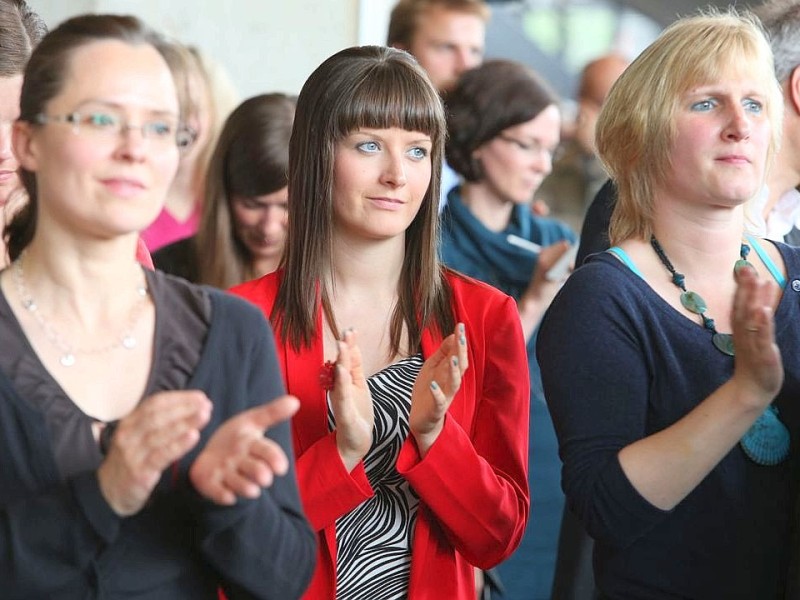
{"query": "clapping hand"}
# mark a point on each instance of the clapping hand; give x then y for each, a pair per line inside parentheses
(238, 460)
(436, 385)
(162, 429)
(351, 403)
(758, 361)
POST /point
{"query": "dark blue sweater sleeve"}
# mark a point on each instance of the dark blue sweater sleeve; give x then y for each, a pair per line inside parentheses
(596, 377)
(262, 548)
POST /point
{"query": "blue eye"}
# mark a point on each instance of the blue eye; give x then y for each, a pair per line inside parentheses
(369, 147)
(753, 106)
(158, 129)
(418, 153)
(100, 120)
(703, 105)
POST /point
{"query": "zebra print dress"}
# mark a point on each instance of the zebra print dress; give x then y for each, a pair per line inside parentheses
(373, 541)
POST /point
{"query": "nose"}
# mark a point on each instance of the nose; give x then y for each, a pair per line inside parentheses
(738, 127)
(465, 60)
(274, 219)
(132, 143)
(394, 174)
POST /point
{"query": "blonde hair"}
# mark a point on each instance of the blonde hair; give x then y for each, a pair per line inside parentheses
(636, 127)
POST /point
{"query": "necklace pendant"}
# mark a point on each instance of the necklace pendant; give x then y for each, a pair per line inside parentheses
(129, 342)
(767, 441)
(741, 264)
(723, 342)
(67, 360)
(693, 302)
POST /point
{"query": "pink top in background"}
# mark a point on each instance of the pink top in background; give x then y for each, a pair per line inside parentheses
(167, 229)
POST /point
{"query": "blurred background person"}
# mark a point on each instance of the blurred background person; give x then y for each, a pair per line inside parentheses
(20, 30)
(503, 125)
(577, 173)
(207, 97)
(243, 228)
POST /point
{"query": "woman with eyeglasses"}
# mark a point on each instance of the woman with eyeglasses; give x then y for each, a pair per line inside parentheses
(133, 405)
(243, 228)
(503, 126)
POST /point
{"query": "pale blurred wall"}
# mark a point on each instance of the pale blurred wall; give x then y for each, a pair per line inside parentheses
(267, 45)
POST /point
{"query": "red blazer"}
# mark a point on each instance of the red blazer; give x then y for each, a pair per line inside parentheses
(472, 483)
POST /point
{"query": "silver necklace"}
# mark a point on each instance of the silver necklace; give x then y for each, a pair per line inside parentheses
(68, 351)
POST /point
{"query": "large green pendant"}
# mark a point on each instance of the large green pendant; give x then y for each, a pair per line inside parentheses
(693, 302)
(740, 264)
(723, 342)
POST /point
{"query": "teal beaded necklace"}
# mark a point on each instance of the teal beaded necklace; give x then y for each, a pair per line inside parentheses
(767, 440)
(693, 302)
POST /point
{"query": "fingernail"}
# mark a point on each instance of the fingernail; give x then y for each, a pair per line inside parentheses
(434, 385)
(454, 360)
(461, 328)
(462, 340)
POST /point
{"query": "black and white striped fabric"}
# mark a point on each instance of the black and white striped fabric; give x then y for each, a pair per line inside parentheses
(374, 540)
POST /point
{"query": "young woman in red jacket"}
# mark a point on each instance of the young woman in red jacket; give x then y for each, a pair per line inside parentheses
(412, 433)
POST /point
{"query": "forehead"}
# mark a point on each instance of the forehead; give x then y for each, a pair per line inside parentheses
(9, 97)
(123, 73)
(441, 22)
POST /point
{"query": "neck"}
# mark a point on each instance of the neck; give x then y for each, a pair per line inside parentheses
(486, 205)
(373, 267)
(86, 281)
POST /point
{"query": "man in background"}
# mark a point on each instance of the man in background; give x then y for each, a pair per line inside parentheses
(578, 174)
(447, 37)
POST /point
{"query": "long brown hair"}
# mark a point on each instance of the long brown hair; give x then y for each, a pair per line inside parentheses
(362, 87)
(251, 158)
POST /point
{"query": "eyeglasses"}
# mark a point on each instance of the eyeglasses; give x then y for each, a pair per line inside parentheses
(533, 147)
(107, 123)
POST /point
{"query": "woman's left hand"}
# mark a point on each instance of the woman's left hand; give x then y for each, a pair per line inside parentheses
(238, 460)
(436, 385)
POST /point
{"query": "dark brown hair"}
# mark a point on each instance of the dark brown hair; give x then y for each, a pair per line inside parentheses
(251, 158)
(362, 87)
(44, 79)
(20, 30)
(486, 100)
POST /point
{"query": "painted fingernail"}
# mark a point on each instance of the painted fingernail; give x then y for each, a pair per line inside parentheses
(462, 340)
(434, 385)
(461, 328)
(454, 360)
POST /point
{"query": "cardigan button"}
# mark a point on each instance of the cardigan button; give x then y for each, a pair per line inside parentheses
(796, 285)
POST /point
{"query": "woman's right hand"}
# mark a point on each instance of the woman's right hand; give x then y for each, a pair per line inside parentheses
(758, 365)
(351, 403)
(162, 429)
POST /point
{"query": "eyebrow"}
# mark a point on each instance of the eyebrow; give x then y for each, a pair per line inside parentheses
(371, 134)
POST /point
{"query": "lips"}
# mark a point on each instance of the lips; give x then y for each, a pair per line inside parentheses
(123, 186)
(387, 203)
(7, 175)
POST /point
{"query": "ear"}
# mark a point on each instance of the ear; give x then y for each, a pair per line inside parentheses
(793, 91)
(24, 144)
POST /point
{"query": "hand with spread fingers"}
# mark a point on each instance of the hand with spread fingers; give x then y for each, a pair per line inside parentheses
(239, 460)
(436, 385)
(758, 359)
(162, 429)
(351, 403)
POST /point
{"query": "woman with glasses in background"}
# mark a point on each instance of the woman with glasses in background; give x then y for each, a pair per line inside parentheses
(504, 125)
(134, 460)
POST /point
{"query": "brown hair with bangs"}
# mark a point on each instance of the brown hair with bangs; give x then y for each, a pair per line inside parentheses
(361, 87)
(636, 127)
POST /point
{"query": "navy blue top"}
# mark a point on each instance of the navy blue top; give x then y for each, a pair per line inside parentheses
(619, 364)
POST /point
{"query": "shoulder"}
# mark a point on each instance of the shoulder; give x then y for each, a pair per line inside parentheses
(177, 258)
(261, 291)
(473, 297)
